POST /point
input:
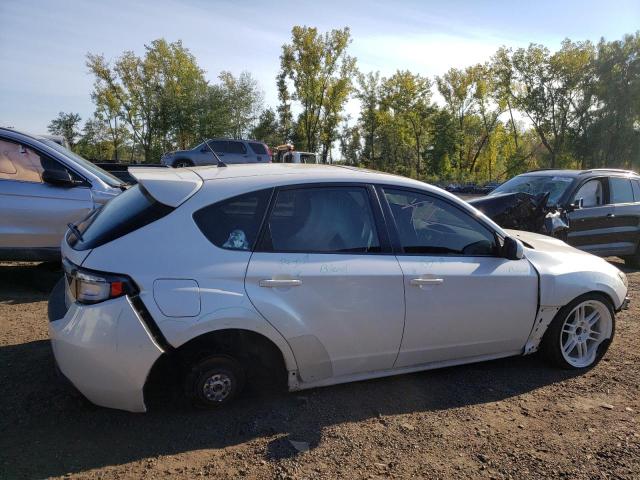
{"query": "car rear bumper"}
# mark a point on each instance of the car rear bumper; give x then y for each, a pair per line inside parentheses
(106, 352)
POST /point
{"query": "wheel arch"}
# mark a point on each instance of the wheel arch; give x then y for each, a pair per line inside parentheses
(546, 315)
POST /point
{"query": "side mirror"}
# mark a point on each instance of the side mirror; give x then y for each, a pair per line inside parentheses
(578, 204)
(60, 178)
(512, 249)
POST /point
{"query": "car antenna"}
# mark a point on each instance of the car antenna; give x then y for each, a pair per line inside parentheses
(220, 162)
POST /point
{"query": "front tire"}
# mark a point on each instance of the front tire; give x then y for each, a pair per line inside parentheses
(580, 333)
(214, 382)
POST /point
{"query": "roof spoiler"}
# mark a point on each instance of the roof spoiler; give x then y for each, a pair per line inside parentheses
(170, 186)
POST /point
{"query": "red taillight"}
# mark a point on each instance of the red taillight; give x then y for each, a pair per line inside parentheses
(117, 289)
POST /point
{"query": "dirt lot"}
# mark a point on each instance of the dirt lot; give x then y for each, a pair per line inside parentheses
(511, 418)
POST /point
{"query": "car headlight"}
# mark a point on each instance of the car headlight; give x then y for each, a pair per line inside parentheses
(624, 279)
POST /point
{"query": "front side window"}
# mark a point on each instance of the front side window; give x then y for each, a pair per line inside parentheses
(591, 194)
(322, 220)
(19, 162)
(428, 225)
(234, 224)
(218, 146)
(621, 190)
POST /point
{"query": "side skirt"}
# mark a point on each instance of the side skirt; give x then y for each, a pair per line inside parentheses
(295, 386)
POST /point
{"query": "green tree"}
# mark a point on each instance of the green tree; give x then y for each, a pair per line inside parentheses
(456, 87)
(267, 128)
(408, 97)
(320, 71)
(243, 100)
(549, 89)
(369, 93)
(158, 94)
(66, 125)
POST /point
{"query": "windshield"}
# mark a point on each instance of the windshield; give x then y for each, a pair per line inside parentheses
(103, 175)
(555, 185)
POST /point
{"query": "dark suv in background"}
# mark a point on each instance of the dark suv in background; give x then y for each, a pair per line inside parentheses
(602, 207)
(229, 150)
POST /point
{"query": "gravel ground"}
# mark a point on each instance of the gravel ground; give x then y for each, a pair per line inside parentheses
(513, 418)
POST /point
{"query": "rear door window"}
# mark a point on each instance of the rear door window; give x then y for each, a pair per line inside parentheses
(234, 224)
(129, 211)
(620, 190)
(236, 147)
(321, 220)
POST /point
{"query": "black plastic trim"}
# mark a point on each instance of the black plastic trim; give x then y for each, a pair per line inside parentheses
(152, 326)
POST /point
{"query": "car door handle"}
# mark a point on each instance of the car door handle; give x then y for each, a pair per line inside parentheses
(418, 282)
(280, 282)
(611, 215)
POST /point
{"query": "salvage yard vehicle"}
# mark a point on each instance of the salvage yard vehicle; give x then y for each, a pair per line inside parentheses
(228, 150)
(594, 210)
(43, 188)
(312, 275)
(288, 154)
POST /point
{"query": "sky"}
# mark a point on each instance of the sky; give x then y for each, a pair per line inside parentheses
(43, 44)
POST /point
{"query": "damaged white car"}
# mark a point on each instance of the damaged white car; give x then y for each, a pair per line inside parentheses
(310, 275)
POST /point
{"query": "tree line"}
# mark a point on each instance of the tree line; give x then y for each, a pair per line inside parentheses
(578, 107)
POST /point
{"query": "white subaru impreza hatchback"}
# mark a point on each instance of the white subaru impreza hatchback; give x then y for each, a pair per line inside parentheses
(314, 275)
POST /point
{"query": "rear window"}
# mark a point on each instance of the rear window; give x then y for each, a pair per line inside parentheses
(129, 211)
(258, 148)
(234, 224)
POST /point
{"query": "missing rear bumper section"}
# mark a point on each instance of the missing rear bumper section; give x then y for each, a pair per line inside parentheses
(106, 352)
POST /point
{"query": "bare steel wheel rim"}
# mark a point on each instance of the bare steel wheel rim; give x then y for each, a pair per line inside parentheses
(583, 331)
(217, 387)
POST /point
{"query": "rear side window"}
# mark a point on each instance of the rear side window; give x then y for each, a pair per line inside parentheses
(236, 147)
(258, 148)
(234, 223)
(321, 220)
(129, 211)
(621, 191)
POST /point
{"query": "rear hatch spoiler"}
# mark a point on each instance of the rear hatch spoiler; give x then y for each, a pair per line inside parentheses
(170, 186)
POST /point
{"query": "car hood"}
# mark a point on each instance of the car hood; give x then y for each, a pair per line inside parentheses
(566, 272)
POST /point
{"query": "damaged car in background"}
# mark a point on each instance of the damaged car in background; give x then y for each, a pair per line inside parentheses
(596, 210)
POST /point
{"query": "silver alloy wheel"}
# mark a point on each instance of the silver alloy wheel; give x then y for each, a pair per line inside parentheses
(181, 164)
(217, 387)
(584, 329)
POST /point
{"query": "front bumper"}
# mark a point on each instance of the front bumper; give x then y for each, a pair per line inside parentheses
(106, 352)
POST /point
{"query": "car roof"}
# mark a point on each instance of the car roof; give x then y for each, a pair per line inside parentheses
(298, 171)
(577, 173)
(173, 186)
